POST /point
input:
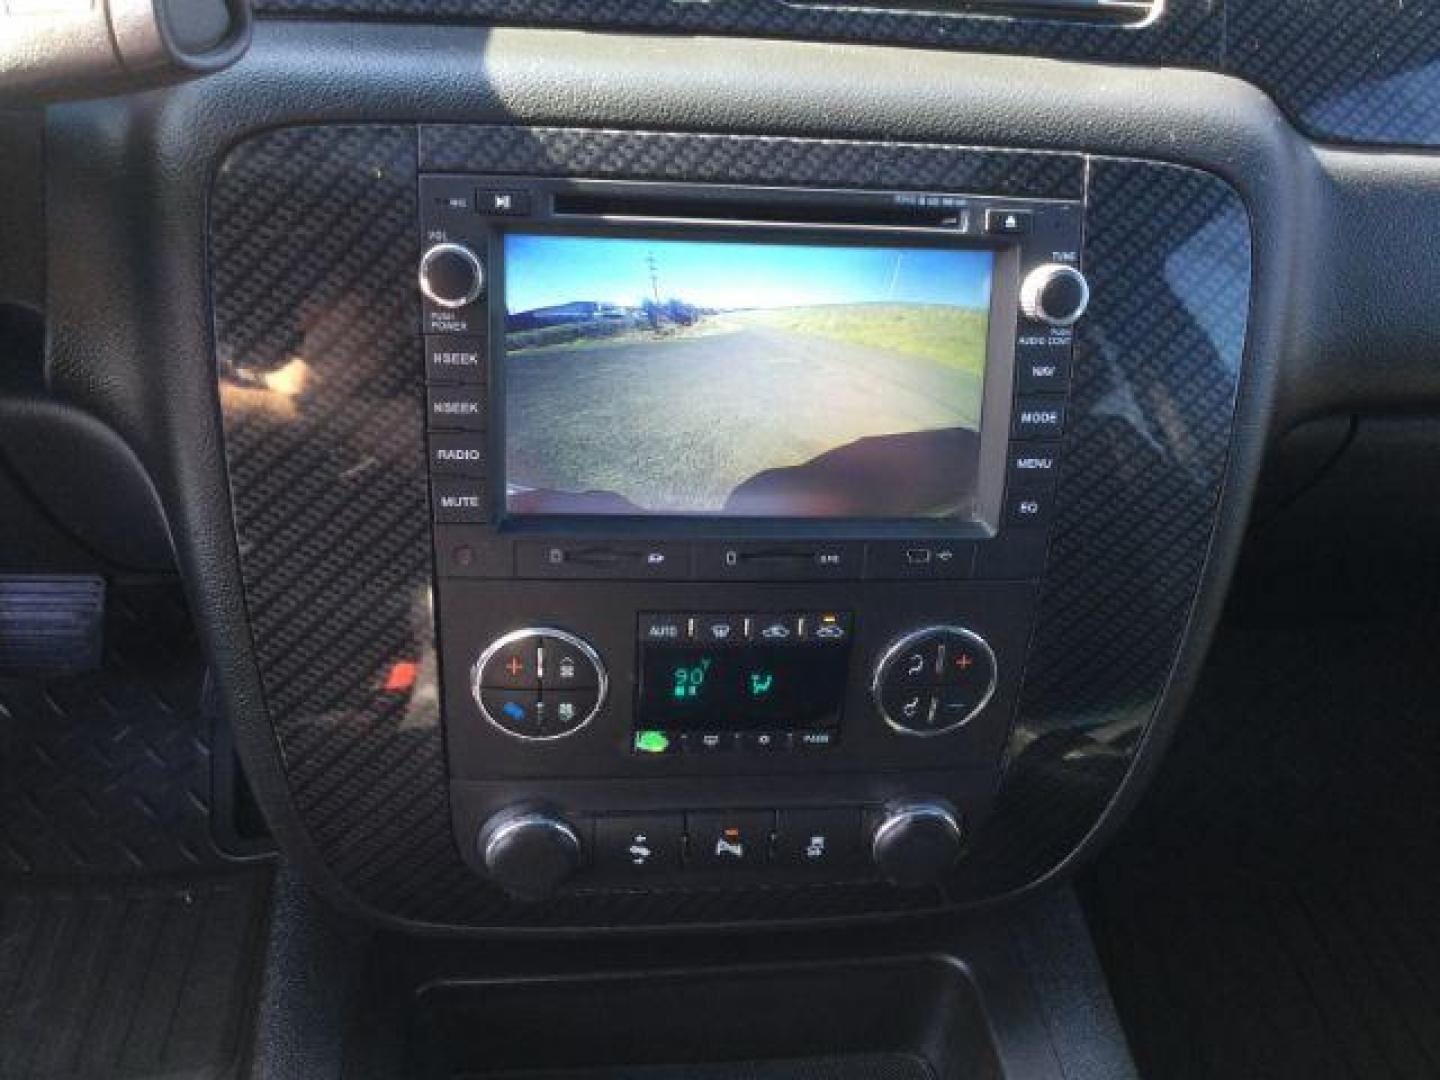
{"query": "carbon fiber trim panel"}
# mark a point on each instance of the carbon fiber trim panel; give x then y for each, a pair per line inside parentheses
(790, 162)
(1189, 32)
(1157, 370)
(313, 248)
(1351, 70)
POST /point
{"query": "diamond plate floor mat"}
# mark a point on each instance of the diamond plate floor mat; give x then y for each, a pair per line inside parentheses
(1273, 909)
(130, 945)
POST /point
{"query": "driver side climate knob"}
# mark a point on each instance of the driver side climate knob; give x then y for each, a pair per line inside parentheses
(451, 275)
(1054, 294)
(917, 843)
(529, 853)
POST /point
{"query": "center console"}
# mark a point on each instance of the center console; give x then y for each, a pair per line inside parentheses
(644, 528)
(740, 495)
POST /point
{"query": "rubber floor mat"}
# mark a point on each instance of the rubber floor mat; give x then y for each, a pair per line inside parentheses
(130, 945)
(857, 1067)
(1273, 909)
(129, 979)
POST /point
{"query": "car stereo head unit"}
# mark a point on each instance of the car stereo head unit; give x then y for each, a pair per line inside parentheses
(623, 372)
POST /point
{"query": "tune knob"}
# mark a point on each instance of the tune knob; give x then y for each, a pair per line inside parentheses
(1055, 294)
(916, 843)
(451, 275)
(529, 853)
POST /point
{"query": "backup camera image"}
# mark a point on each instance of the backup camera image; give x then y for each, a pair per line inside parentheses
(683, 378)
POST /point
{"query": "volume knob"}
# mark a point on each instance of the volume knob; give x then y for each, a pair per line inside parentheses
(1055, 294)
(451, 275)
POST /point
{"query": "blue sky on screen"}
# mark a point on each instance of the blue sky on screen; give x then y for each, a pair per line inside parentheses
(541, 271)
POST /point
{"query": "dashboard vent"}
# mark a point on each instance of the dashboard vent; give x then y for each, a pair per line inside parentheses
(1132, 13)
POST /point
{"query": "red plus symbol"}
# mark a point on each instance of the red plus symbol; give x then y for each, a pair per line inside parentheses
(514, 666)
(964, 661)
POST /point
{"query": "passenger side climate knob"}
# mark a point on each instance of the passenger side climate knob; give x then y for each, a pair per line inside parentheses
(451, 275)
(1055, 294)
(917, 843)
(529, 853)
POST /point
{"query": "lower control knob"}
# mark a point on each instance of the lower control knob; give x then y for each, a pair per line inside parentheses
(529, 853)
(917, 843)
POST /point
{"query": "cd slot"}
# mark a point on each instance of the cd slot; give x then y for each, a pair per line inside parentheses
(861, 210)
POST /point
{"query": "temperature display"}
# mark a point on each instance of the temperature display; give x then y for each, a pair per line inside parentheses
(758, 686)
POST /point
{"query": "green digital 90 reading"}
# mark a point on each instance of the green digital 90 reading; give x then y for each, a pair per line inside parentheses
(759, 686)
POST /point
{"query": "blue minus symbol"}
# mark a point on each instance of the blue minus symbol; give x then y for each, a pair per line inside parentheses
(513, 711)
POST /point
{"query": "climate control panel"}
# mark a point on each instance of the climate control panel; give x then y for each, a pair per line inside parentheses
(610, 735)
(539, 683)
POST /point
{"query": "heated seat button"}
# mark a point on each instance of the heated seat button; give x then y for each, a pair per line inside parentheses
(566, 667)
(564, 711)
(826, 840)
(730, 839)
(918, 664)
(636, 845)
(513, 666)
(517, 711)
(912, 708)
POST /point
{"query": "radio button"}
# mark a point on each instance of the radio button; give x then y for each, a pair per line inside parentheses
(457, 454)
(1040, 418)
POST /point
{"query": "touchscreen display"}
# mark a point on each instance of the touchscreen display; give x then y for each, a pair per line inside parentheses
(658, 377)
